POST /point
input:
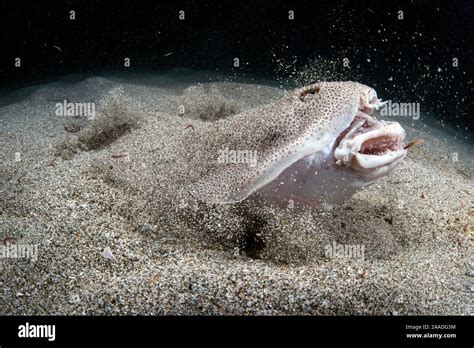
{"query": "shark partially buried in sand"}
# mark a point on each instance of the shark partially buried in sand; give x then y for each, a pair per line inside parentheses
(317, 146)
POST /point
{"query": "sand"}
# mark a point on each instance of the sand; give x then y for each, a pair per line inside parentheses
(113, 236)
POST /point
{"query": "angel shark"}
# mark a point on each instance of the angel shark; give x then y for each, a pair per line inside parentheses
(316, 146)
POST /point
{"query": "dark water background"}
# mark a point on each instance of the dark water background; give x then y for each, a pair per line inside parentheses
(406, 60)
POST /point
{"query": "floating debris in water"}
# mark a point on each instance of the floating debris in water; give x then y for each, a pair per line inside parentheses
(414, 143)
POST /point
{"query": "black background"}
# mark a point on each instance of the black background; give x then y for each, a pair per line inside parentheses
(410, 59)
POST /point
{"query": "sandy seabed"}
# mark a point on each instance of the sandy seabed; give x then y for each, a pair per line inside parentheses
(98, 200)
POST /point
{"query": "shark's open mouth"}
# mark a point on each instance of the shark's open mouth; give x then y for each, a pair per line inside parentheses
(380, 145)
(369, 146)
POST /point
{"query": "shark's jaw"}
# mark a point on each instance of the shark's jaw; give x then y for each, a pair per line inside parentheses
(370, 147)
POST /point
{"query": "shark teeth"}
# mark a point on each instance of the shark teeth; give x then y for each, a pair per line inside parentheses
(375, 161)
(377, 145)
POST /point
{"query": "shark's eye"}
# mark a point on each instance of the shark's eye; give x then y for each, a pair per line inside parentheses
(310, 90)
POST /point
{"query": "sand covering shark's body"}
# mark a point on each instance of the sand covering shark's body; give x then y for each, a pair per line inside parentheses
(318, 146)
